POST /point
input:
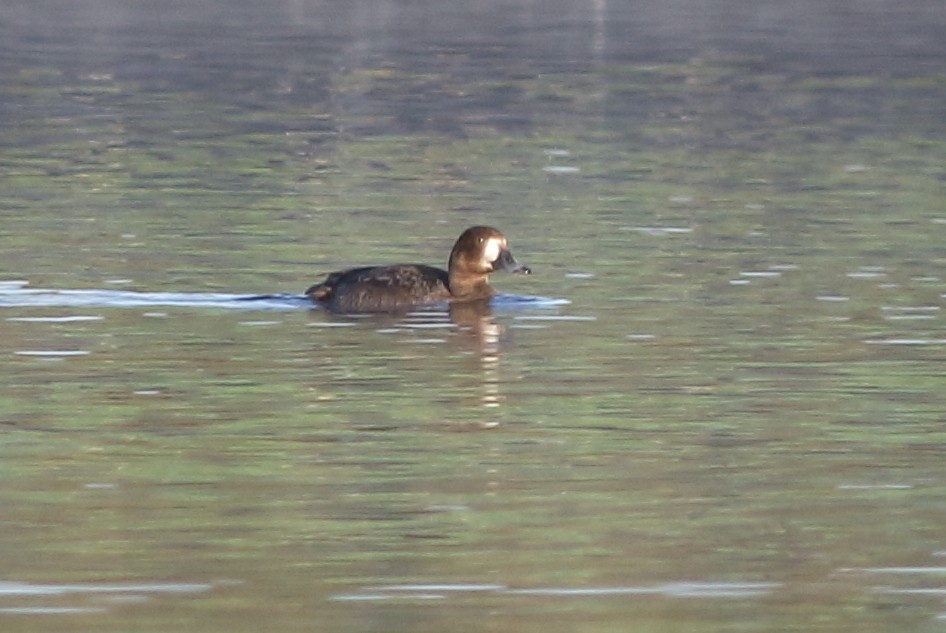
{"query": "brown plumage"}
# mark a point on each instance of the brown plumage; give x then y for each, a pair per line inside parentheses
(479, 251)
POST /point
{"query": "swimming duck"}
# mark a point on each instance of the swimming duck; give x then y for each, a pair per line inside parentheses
(479, 251)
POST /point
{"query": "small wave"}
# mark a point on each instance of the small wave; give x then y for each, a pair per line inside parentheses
(520, 302)
(16, 295)
(683, 589)
(38, 297)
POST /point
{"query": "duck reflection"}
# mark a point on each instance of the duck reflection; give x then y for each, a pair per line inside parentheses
(478, 332)
(475, 320)
(472, 331)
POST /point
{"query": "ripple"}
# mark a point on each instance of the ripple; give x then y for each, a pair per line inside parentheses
(51, 610)
(10, 588)
(15, 295)
(910, 313)
(760, 273)
(674, 589)
(910, 308)
(894, 570)
(907, 341)
(19, 297)
(555, 317)
(685, 589)
(916, 592)
(439, 587)
(436, 325)
(658, 231)
(51, 353)
(518, 302)
(358, 597)
(875, 487)
(63, 319)
(909, 317)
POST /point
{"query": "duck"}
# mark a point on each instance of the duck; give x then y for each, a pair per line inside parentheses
(478, 252)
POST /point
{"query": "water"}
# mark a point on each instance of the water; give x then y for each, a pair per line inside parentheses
(717, 404)
(19, 295)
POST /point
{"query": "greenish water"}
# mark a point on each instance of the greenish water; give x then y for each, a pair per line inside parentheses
(736, 424)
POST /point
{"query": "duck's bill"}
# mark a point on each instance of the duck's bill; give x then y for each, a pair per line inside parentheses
(507, 262)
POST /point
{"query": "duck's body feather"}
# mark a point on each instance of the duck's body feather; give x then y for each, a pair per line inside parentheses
(479, 251)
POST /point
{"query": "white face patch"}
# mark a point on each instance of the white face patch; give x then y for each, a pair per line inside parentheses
(494, 246)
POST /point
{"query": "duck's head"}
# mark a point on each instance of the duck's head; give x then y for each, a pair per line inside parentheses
(481, 250)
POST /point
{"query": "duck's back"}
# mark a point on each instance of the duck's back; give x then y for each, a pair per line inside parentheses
(381, 288)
